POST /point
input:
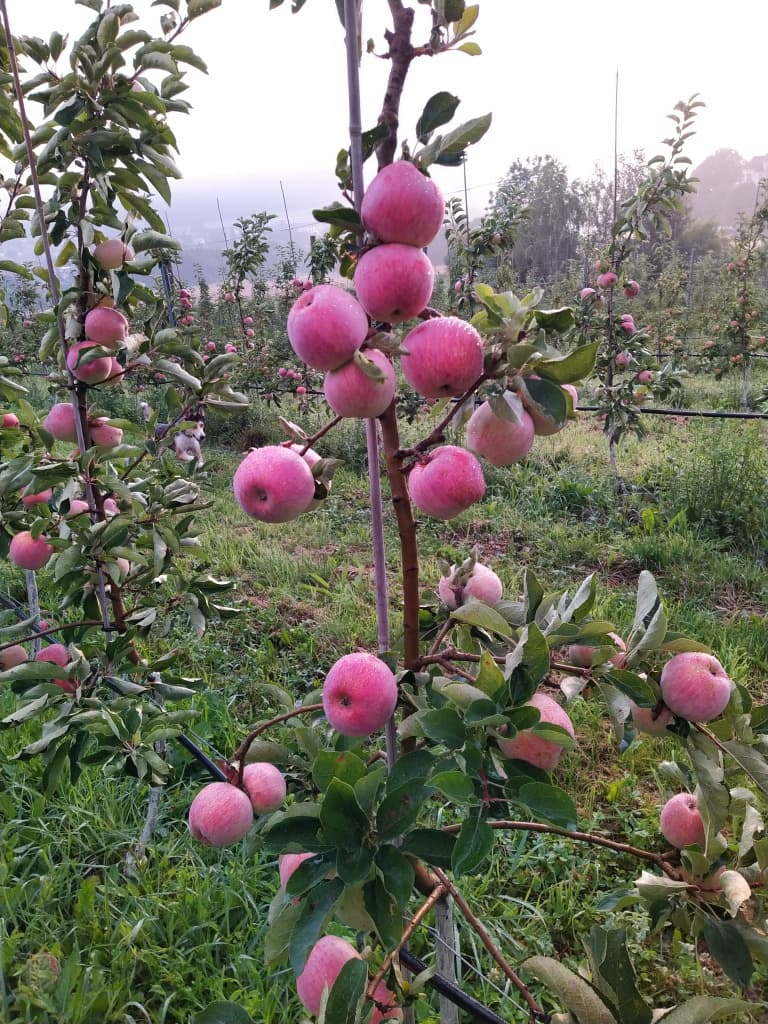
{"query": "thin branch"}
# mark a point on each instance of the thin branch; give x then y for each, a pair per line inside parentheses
(535, 1011)
(410, 928)
(242, 751)
(50, 629)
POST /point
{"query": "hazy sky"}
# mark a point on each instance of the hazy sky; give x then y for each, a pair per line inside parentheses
(274, 103)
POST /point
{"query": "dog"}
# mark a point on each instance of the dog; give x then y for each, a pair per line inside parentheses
(186, 443)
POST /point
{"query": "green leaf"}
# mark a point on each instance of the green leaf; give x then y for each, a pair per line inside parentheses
(443, 725)
(222, 1012)
(548, 400)
(414, 766)
(197, 7)
(430, 845)
(751, 761)
(706, 1009)
(315, 909)
(577, 365)
(143, 241)
(354, 866)
(527, 664)
(726, 944)
(576, 994)
(347, 994)
(456, 786)
(340, 216)
(473, 844)
(614, 974)
(297, 830)
(490, 678)
(384, 911)
(439, 109)
(642, 691)
(396, 873)
(399, 810)
(465, 135)
(471, 48)
(309, 873)
(551, 803)
(336, 764)
(477, 613)
(343, 822)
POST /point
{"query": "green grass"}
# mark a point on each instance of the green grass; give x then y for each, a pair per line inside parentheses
(188, 928)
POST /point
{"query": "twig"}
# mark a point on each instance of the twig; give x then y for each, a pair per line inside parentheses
(306, 445)
(535, 1011)
(413, 924)
(50, 629)
(242, 751)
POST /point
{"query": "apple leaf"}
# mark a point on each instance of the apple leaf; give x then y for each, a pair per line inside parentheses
(705, 1010)
(614, 974)
(549, 802)
(340, 216)
(386, 914)
(439, 109)
(549, 399)
(315, 908)
(221, 1012)
(430, 845)
(477, 613)
(456, 786)
(396, 872)
(573, 991)
(642, 691)
(527, 664)
(347, 994)
(726, 945)
(474, 843)
(308, 873)
(414, 766)
(334, 764)
(399, 810)
(576, 365)
(444, 726)
(343, 822)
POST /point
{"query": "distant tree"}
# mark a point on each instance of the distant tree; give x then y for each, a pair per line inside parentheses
(723, 193)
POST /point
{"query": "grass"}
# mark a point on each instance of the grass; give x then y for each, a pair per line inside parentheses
(188, 928)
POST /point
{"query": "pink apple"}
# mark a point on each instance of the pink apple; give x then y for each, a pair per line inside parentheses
(402, 205)
(9, 420)
(28, 552)
(695, 686)
(95, 371)
(622, 358)
(273, 484)
(645, 376)
(77, 507)
(41, 498)
(325, 961)
(628, 327)
(500, 441)
(12, 656)
(60, 422)
(326, 326)
(111, 255)
(111, 507)
(631, 289)
(301, 390)
(645, 722)
(359, 694)
(58, 654)
(446, 482)
(116, 374)
(210, 346)
(444, 357)
(572, 392)
(229, 347)
(351, 392)
(311, 457)
(394, 282)
(527, 746)
(482, 584)
(681, 822)
(106, 326)
(287, 863)
(606, 280)
(220, 814)
(586, 293)
(265, 786)
(104, 433)
(247, 320)
(184, 294)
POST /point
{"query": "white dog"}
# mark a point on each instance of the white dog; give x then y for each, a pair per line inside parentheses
(185, 442)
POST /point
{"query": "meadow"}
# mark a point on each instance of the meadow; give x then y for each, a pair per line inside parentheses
(161, 940)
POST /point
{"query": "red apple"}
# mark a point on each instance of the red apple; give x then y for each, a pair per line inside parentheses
(645, 376)
(104, 433)
(220, 814)
(695, 686)
(444, 357)
(60, 422)
(403, 205)
(394, 282)
(645, 722)
(631, 289)
(265, 785)
(58, 654)
(359, 694)
(681, 822)
(107, 327)
(273, 484)
(111, 255)
(527, 746)
(9, 420)
(500, 441)
(446, 482)
(351, 392)
(287, 864)
(12, 656)
(41, 498)
(326, 326)
(28, 552)
(482, 584)
(607, 279)
(95, 371)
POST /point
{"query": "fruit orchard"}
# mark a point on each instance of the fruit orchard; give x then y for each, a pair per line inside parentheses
(400, 759)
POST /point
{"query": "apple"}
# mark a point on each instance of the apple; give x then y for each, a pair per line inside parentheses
(273, 484)
(41, 498)
(695, 686)
(324, 963)
(572, 392)
(104, 433)
(482, 583)
(645, 722)
(28, 552)
(444, 357)
(500, 441)
(106, 326)
(587, 293)
(645, 376)
(326, 326)
(265, 786)
(220, 814)
(403, 205)
(622, 358)
(9, 420)
(351, 392)
(628, 326)
(607, 279)
(111, 507)
(12, 656)
(60, 422)
(111, 255)
(116, 374)
(287, 864)
(394, 282)
(95, 371)
(359, 694)
(446, 482)
(527, 746)
(631, 289)
(681, 822)
(58, 654)
(580, 655)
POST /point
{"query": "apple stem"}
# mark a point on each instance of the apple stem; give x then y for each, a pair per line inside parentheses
(242, 751)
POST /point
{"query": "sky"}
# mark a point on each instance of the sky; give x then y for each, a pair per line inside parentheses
(273, 106)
